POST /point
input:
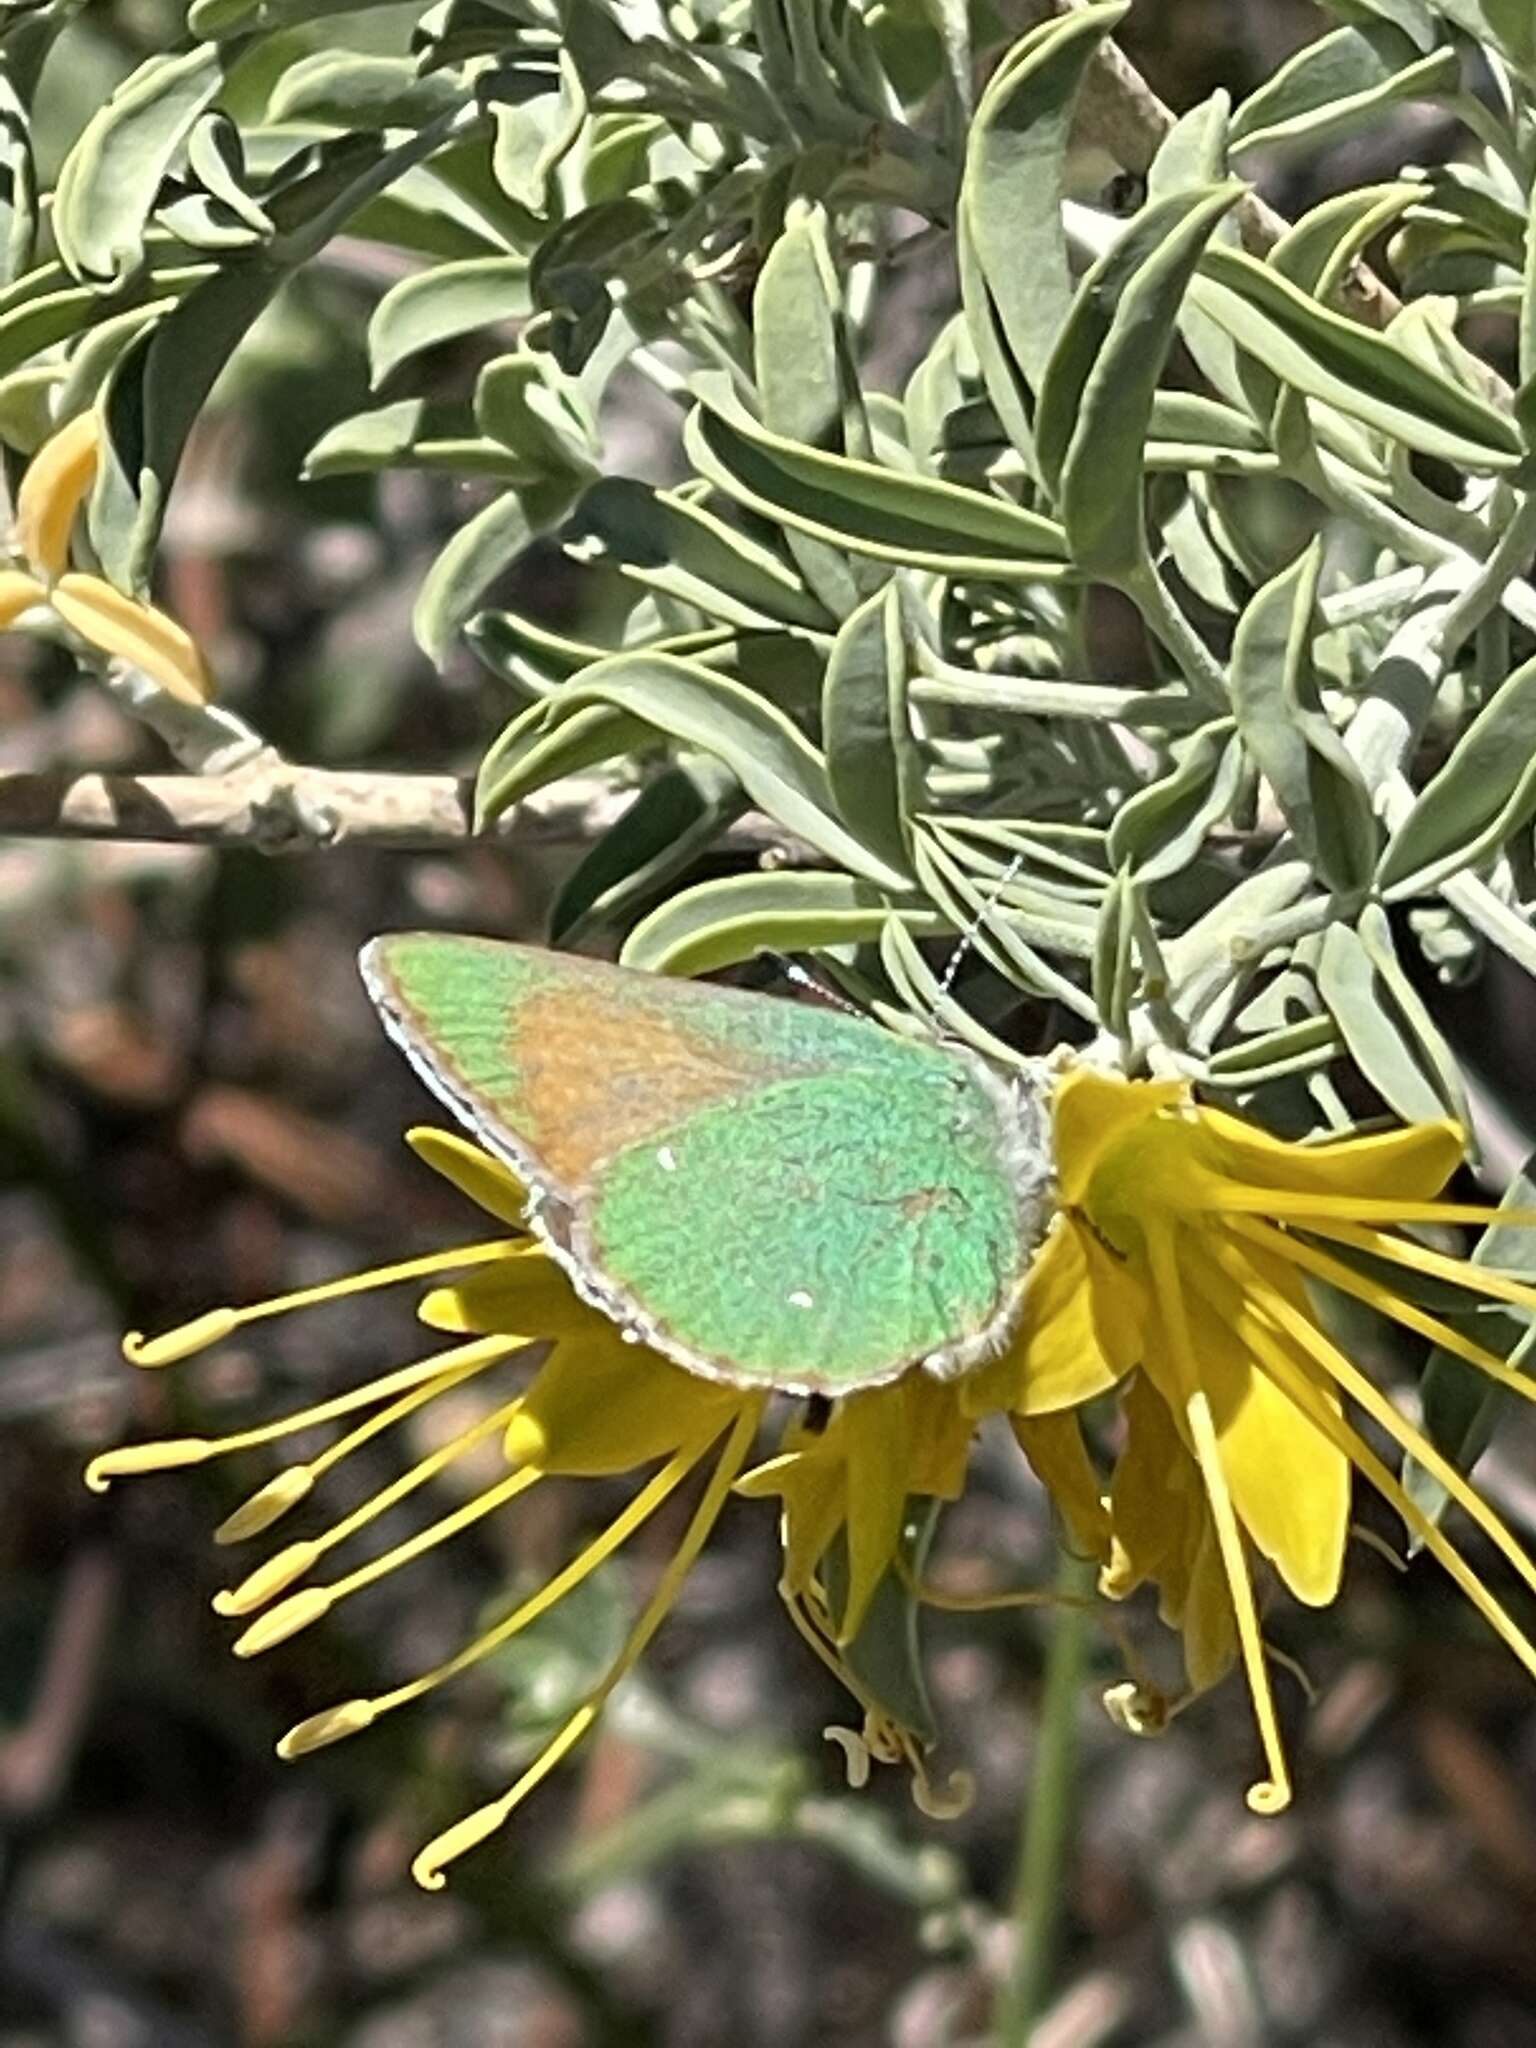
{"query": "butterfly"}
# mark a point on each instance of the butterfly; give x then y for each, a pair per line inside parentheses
(771, 1194)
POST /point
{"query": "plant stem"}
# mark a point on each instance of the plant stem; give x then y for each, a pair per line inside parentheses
(1047, 1822)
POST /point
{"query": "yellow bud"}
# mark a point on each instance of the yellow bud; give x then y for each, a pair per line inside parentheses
(178, 1344)
(49, 496)
(334, 1725)
(134, 632)
(130, 1458)
(284, 1620)
(266, 1506)
(268, 1580)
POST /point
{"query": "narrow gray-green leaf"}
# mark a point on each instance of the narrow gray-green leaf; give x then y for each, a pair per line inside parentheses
(873, 764)
(1348, 366)
(780, 770)
(1339, 84)
(478, 553)
(442, 303)
(910, 520)
(1485, 793)
(673, 821)
(669, 544)
(1280, 718)
(1359, 1006)
(1015, 279)
(1096, 402)
(1163, 827)
(112, 176)
(717, 924)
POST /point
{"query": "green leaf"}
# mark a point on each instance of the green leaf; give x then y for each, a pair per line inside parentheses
(717, 924)
(1358, 1003)
(1485, 793)
(18, 184)
(31, 324)
(675, 818)
(1280, 718)
(779, 769)
(885, 1655)
(1461, 1405)
(542, 745)
(913, 521)
(442, 303)
(1096, 401)
(807, 384)
(1339, 84)
(478, 553)
(1360, 372)
(1015, 281)
(1162, 828)
(533, 139)
(669, 544)
(111, 178)
(873, 764)
(416, 434)
(353, 89)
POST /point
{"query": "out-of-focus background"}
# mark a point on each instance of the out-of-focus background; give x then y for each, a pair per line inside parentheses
(196, 1107)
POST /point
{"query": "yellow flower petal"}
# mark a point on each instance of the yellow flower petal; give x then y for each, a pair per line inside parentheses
(1152, 1493)
(1091, 1113)
(876, 1429)
(472, 1171)
(1059, 1458)
(601, 1406)
(49, 496)
(1288, 1481)
(135, 633)
(1078, 1334)
(525, 1296)
(939, 1431)
(1412, 1164)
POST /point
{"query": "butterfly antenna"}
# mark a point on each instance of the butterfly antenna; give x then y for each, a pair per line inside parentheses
(966, 942)
(801, 977)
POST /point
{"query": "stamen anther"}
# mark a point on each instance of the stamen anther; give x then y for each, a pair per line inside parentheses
(209, 1328)
(267, 1505)
(285, 1620)
(335, 1724)
(275, 1576)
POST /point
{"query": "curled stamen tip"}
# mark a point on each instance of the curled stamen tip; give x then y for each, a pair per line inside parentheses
(856, 1755)
(131, 1458)
(335, 1724)
(178, 1344)
(1268, 1797)
(268, 1580)
(266, 1506)
(957, 1798)
(1136, 1709)
(285, 1620)
(464, 1835)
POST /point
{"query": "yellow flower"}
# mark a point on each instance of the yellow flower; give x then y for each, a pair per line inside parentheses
(598, 1405)
(48, 502)
(1183, 1246)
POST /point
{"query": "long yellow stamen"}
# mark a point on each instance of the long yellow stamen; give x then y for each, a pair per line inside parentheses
(1295, 1384)
(335, 1722)
(428, 1866)
(1235, 1196)
(1394, 1306)
(1271, 1795)
(1367, 1395)
(1421, 1258)
(287, 1488)
(302, 1608)
(280, 1571)
(215, 1324)
(196, 1450)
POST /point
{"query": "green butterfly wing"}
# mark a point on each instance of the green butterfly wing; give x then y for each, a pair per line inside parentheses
(769, 1193)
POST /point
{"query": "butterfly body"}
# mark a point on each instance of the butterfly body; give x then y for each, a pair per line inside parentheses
(768, 1193)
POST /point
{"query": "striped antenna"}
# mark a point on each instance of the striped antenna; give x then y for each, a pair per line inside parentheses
(966, 942)
(802, 977)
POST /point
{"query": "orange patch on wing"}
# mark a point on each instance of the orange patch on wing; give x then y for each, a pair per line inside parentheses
(595, 1080)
